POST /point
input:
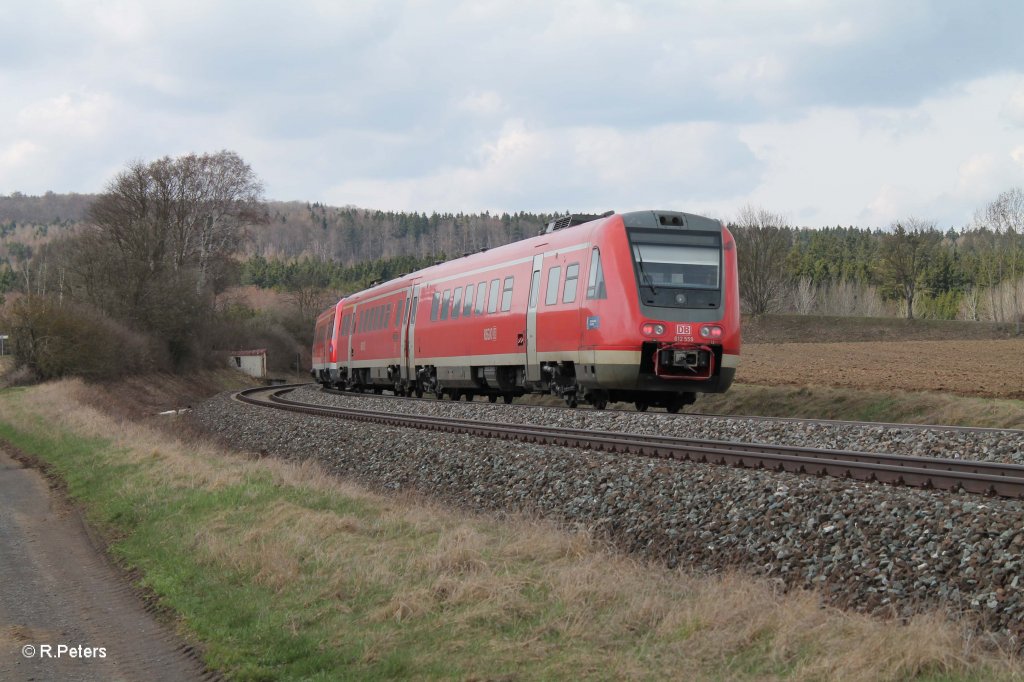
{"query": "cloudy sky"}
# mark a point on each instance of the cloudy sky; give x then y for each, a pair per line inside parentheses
(828, 112)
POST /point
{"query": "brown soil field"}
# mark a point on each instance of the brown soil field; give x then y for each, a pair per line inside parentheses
(992, 368)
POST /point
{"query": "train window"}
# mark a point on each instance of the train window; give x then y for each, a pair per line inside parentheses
(492, 299)
(595, 279)
(572, 276)
(434, 305)
(554, 274)
(445, 300)
(506, 295)
(467, 310)
(534, 289)
(398, 312)
(456, 303)
(375, 318)
(387, 316)
(412, 314)
(481, 297)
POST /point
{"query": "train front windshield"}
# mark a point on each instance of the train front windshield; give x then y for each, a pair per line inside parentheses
(678, 268)
(690, 267)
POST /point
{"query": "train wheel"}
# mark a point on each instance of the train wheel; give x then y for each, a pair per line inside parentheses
(418, 391)
(571, 401)
(673, 408)
(641, 406)
(599, 399)
(508, 398)
(492, 398)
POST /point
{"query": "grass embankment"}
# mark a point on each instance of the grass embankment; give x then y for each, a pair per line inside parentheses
(284, 572)
(823, 402)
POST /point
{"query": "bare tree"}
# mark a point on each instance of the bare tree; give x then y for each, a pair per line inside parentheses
(905, 255)
(1005, 216)
(762, 243)
(160, 238)
(805, 296)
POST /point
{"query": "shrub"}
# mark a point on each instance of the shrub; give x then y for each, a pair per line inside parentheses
(54, 340)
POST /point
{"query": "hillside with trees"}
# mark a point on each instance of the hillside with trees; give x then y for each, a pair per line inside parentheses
(153, 264)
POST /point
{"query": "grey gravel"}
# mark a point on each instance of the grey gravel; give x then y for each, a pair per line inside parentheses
(873, 548)
(985, 445)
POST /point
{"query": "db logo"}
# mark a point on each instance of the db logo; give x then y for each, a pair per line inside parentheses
(490, 333)
(683, 329)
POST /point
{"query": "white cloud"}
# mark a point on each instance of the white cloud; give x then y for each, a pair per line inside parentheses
(16, 156)
(67, 114)
(1013, 109)
(484, 103)
(847, 111)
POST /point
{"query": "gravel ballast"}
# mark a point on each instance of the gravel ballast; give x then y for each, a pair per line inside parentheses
(869, 547)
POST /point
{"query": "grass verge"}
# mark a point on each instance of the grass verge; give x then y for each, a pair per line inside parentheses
(822, 402)
(283, 572)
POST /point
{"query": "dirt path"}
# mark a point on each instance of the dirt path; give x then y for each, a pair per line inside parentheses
(57, 589)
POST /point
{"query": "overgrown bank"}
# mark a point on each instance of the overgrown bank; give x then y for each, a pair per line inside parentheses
(284, 572)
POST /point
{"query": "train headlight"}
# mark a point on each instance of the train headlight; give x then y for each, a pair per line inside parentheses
(680, 299)
(652, 329)
(710, 331)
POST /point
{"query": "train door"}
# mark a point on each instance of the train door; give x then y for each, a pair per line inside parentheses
(405, 334)
(409, 347)
(532, 363)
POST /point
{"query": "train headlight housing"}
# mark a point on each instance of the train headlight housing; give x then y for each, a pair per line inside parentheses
(711, 331)
(652, 329)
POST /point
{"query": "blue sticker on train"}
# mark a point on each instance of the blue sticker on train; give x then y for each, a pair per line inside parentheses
(593, 322)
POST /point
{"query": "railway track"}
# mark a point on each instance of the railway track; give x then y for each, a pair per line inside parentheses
(708, 415)
(986, 478)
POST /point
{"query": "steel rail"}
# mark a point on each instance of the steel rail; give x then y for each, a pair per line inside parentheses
(710, 415)
(987, 478)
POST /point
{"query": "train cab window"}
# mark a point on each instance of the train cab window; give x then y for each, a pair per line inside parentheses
(445, 300)
(398, 312)
(481, 297)
(434, 305)
(467, 310)
(492, 299)
(506, 295)
(572, 276)
(554, 274)
(456, 303)
(595, 279)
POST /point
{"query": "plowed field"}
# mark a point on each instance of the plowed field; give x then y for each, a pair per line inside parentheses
(990, 368)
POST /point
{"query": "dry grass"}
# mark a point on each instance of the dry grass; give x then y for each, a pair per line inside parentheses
(477, 596)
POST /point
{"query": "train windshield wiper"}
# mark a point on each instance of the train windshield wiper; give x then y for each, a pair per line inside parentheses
(643, 273)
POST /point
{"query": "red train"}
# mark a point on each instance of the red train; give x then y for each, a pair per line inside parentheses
(640, 307)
